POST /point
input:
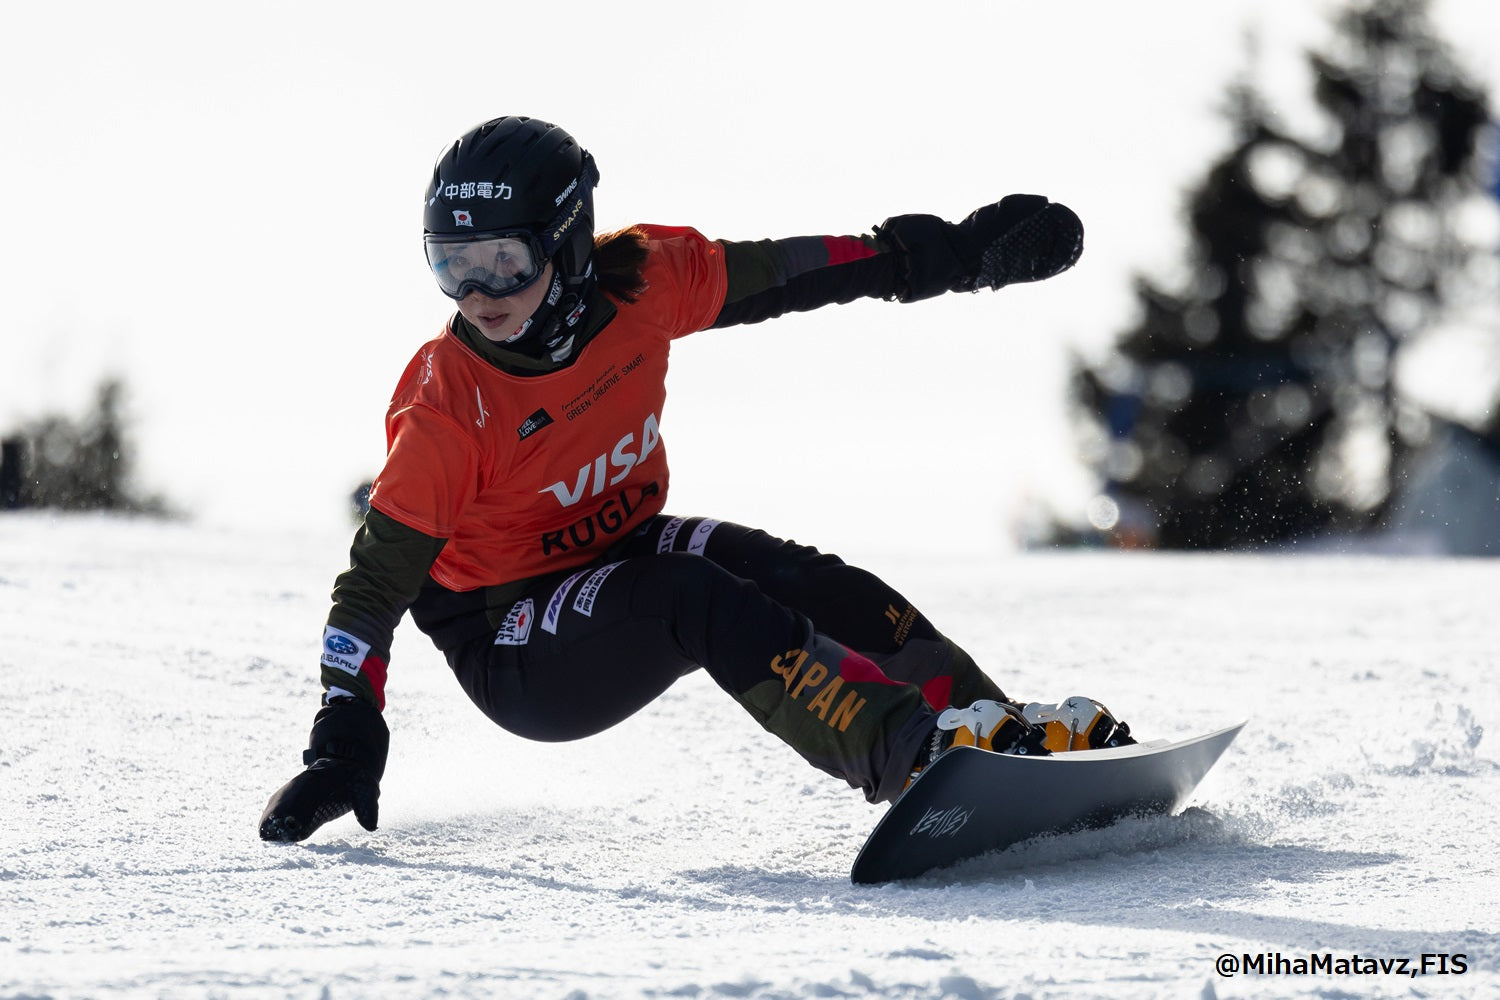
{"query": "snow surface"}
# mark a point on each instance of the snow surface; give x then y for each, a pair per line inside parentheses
(159, 678)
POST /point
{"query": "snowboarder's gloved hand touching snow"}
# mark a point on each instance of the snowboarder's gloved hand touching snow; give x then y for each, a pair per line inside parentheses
(346, 757)
(1022, 237)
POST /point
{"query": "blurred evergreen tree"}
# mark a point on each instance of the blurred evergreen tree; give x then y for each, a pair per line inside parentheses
(1256, 403)
(75, 465)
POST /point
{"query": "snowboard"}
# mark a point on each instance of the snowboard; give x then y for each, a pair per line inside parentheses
(970, 801)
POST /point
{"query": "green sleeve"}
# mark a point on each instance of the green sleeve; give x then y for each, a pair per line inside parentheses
(767, 278)
(388, 564)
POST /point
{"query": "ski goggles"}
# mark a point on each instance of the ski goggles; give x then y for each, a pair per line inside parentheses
(496, 264)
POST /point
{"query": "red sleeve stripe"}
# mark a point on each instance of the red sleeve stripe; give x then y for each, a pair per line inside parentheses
(844, 249)
(374, 671)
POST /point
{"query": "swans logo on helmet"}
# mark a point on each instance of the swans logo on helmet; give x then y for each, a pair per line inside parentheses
(567, 223)
(462, 218)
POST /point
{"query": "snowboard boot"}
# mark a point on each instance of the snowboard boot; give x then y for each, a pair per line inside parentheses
(1077, 724)
(988, 725)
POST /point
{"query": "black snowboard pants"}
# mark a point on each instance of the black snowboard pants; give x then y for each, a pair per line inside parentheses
(824, 655)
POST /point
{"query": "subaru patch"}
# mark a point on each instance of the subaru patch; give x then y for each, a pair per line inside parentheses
(343, 651)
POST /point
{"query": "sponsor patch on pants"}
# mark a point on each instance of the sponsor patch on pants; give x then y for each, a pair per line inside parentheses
(669, 535)
(557, 600)
(516, 628)
(584, 603)
(699, 541)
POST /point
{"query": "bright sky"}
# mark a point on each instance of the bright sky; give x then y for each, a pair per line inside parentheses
(222, 204)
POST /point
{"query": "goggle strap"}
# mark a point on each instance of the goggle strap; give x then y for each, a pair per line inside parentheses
(586, 181)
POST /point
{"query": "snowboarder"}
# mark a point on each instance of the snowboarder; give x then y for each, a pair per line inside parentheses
(519, 516)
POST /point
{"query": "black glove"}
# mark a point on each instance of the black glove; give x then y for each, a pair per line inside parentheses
(1023, 237)
(346, 757)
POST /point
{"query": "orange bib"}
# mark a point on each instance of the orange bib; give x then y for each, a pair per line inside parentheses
(527, 475)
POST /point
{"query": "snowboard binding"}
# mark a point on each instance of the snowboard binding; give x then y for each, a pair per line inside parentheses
(989, 725)
(1077, 723)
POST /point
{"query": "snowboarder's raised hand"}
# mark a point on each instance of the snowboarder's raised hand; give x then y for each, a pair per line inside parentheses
(1022, 237)
(346, 757)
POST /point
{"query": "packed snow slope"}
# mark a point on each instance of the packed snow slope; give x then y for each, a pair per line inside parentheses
(157, 681)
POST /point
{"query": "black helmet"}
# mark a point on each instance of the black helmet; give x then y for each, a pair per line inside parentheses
(513, 173)
(521, 178)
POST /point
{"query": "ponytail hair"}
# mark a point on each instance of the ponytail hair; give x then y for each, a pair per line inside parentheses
(618, 259)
